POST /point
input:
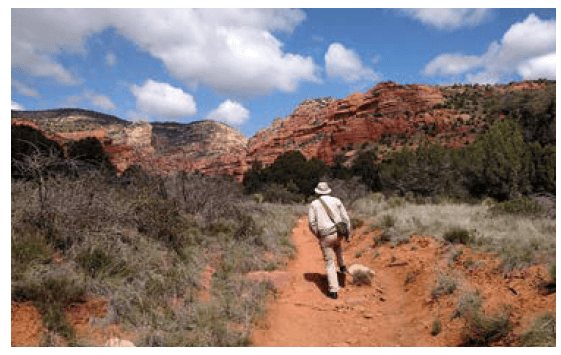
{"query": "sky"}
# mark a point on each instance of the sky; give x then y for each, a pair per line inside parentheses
(246, 67)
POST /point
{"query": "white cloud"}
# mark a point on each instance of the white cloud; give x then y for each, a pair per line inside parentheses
(448, 18)
(101, 101)
(539, 67)
(527, 49)
(452, 64)
(163, 99)
(110, 59)
(344, 63)
(230, 112)
(38, 34)
(230, 50)
(16, 106)
(24, 89)
(483, 78)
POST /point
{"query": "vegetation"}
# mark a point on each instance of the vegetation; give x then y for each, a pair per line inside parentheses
(436, 327)
(481, 329)
(292, 178)
(445, 285)
(519, 239)
(541, 333)
(361, 277)
(142, 242)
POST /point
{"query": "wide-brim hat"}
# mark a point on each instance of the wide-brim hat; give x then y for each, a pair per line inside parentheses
(322, 189)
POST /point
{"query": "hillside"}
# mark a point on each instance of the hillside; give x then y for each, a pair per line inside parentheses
(387, 118)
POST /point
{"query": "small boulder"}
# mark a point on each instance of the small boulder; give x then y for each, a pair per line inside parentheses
(360, 268)
(116, 342)
(362, 275)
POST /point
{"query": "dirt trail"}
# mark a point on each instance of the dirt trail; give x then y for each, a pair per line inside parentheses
(397, 310)
(361, 316)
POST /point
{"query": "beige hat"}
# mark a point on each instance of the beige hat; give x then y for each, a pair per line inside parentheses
(322, 189)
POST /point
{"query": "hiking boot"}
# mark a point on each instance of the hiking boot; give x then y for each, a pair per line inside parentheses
(343, 269)
(332, 295)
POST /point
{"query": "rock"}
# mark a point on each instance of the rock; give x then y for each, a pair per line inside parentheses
(360, 268)
(116, 342)
(388, 116)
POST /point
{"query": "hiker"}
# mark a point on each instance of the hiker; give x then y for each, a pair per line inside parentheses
(325, 212)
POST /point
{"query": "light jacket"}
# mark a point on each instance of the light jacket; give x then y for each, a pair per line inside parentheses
(319, 222)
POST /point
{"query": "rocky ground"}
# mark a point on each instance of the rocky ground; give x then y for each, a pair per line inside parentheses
(398, 309)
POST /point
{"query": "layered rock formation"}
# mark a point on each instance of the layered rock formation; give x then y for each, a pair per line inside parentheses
(387, 118)
(161, 148)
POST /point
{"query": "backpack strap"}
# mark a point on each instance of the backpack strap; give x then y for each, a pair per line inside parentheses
(327, 209)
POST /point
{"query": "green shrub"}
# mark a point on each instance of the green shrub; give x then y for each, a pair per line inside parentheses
(50, 289)
(356, 222)
(458, 235)
(446, 285)
(28, 246)
(469, 302)
(541, 333)
(387, 221)
(482, 330)
(94, 261)
(520, 206)
(436, 327)
(362, 278)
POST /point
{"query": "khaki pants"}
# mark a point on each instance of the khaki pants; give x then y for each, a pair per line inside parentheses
(331, 249)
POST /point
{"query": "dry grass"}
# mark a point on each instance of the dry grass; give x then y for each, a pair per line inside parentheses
(542, 332)
(142, 245)
(519, 239)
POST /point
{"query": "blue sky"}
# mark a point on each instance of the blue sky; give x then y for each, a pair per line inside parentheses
(245, 67)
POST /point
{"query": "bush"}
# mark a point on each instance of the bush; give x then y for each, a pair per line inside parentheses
(446, 285)
(519, 206)
(436, 327)
(387, 221)
(361, 277)
(356, 223)
(458, 235)
(480, 329)
(499, 162)
(541, 333)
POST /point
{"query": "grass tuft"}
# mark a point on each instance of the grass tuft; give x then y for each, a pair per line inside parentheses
(458, 236)
(541, 333)
(445, 285)
(436, 327)
(361, 277)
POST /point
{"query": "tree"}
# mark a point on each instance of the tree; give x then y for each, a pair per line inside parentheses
(500, 162)
(365, 166)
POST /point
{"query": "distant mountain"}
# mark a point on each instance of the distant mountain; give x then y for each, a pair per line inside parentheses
(386, 118)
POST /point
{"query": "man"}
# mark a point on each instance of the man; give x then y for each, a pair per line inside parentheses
(322, 226)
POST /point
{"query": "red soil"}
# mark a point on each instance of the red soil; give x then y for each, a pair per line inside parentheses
(397, 310)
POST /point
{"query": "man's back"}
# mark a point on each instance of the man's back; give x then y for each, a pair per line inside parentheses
(319, 218)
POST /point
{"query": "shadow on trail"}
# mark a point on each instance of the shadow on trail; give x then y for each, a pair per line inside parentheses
(321, 280)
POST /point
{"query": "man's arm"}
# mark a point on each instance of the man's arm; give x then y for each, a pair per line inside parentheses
(312, 221)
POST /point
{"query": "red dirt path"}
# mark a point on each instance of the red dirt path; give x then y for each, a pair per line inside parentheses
(397, 310)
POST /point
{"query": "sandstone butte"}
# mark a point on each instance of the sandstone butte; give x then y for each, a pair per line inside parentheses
(389, 116)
